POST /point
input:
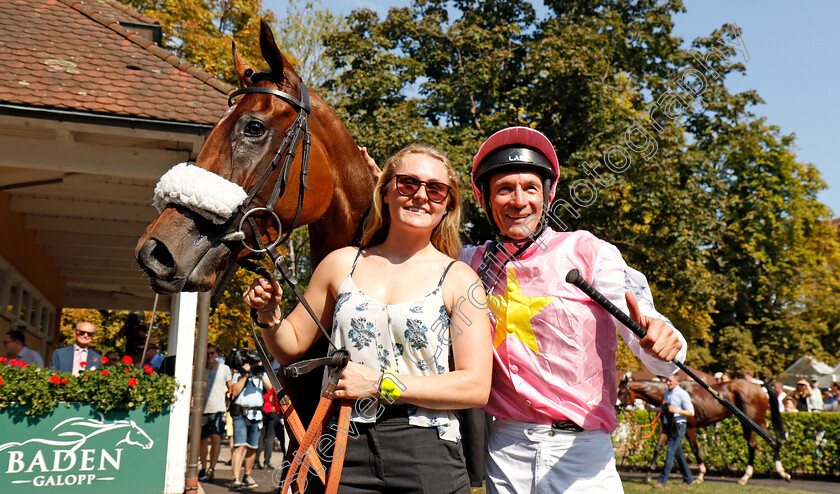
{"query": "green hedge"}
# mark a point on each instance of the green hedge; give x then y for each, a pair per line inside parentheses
(812, 447)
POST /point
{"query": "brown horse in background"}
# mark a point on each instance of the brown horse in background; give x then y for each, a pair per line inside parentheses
(183, 251)
(747, 396)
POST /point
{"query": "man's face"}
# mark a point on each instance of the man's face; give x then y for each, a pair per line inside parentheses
(211, 357)
(84, 334)
(516, 200)
(12, 347)
(672, 382)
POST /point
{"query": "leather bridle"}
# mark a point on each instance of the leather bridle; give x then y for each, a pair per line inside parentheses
(298, 132)
(307, 455)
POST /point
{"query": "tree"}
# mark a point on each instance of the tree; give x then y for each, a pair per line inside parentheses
(705, 181)
(201, 31)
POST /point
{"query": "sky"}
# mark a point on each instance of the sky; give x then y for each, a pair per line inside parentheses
(794, 65)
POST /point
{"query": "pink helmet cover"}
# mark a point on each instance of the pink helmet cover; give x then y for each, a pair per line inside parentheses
(516, 135)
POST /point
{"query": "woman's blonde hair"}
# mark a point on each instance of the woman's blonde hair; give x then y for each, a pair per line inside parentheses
(445, 236)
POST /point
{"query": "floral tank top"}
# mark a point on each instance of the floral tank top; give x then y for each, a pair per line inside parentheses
(406, 338)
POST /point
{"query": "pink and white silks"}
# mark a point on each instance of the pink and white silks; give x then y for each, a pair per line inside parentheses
(554, 356)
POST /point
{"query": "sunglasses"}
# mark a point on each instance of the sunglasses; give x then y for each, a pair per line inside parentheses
(408, 185)
(86, 333)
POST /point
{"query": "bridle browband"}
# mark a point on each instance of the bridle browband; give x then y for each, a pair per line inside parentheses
(297, 132)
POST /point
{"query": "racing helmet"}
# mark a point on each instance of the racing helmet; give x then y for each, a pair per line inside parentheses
(512, 149)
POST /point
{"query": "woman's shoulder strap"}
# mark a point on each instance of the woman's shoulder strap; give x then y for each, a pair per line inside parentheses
(451, 263)
(358, 254)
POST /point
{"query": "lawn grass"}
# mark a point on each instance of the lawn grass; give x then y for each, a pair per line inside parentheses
(637, 486)
(708, 487)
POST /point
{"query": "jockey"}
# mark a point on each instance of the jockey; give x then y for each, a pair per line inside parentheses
(554, 384)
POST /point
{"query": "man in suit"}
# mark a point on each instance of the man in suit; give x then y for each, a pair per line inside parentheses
(70, 358)
(16, 348)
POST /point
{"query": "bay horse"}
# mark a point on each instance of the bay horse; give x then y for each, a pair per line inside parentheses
(187, 248)
(746, 395)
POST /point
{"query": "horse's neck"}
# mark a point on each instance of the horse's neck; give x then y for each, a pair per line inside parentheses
(353, 186)
(650, 392)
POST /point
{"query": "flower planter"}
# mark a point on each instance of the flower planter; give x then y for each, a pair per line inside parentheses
(76, 448)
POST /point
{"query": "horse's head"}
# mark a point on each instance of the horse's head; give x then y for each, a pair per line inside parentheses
(251, 158)
(137, 437)
(625, 396)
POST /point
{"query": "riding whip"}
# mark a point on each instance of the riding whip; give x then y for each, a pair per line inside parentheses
(576, 279)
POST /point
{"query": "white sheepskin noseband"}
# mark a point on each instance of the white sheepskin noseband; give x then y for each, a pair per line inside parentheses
(202, 191)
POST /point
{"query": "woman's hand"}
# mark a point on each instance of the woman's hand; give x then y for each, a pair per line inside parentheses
(263, 295)
(356, 381)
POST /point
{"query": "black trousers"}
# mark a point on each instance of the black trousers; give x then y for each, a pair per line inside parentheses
(266, 444)
(392, 456)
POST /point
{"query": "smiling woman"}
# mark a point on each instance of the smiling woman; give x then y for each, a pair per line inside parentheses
(392, 304)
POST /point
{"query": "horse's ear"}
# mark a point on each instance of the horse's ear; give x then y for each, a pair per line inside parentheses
(279, 64)
(243, 70)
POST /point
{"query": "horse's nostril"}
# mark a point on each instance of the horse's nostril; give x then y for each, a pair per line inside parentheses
(155, 258)
(162, 256)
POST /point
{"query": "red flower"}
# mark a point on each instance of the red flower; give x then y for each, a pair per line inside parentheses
(55, 379)
(13, 362)
(132, 382)
(105, 372)
(2, 360)
(22, 364)
(148, 369)
(127, 360)
(83, 364)
(127, 371)
(64, 381)
(1, 381)
(104, 360)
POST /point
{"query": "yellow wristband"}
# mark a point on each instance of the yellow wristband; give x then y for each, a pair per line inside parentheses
(389, 388)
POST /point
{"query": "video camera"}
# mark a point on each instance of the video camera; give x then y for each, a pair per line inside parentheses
(239, 357)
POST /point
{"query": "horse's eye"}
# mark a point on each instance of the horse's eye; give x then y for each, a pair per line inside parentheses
(254, 128)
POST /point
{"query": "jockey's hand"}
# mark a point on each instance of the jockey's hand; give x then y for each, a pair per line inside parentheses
(263, 295)
(374, 170)
(661, 340)
(356, 381)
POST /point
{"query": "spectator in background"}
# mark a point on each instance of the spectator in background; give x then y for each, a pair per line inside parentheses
(151, 357)
(247, 411)
(780, 393)
(15, 343)
(801, 395)
(832, 398)
(679, 404)
(815, 401)
(113, 358)
(790, 404)
(135, 335)
(217, 384)
(78, 356)
(749, 376)
(722, 377)
(266, 445)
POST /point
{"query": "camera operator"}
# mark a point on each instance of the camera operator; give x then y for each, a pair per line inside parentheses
(249, 385)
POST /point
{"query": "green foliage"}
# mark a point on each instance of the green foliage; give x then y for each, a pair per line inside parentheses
(201, 31)
(722, 217)
(812, 445)
(118, 387)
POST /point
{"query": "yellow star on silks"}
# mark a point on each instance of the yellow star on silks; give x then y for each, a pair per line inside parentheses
(514, 312)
